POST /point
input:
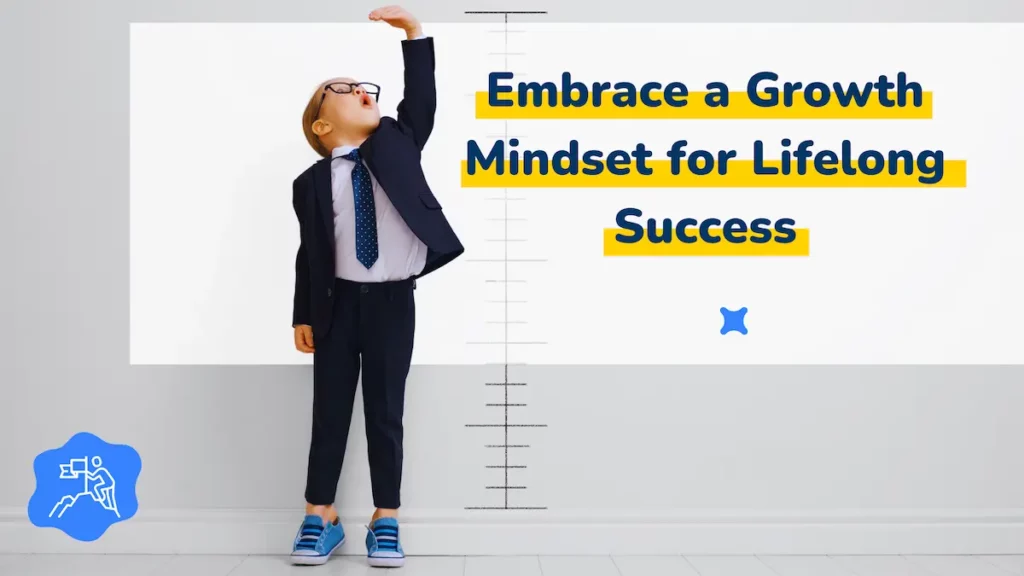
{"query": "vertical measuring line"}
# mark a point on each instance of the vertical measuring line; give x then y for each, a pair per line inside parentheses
(506, 289)
(505, 383)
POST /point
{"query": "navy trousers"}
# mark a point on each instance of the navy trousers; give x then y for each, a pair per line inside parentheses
(372, 329)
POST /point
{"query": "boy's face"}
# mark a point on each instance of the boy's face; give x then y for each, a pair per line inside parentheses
(349, 107)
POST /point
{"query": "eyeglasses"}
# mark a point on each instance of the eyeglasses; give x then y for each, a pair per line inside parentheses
(347, 88)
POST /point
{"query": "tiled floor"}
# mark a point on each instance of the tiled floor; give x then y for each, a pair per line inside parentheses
(111, 565)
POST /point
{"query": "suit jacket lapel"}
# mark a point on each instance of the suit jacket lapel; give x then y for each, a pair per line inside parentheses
(367, 150)
(322, 185)
(366, 153)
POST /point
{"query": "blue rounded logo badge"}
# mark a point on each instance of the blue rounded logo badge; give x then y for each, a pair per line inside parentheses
(85, 486)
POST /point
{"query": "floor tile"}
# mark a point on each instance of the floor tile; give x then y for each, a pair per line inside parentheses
(882, 566)
(805, 566)
(1011, 564)
(199, 566)
(430, 566)
(730, 566)
(8, 561)
(281, 566)
(503, 566)
(84, 564)
(957, 566)
(578, 566)
(653, 566)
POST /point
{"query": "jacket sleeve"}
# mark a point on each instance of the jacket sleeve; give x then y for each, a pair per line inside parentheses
(419, 100)
(300, 307)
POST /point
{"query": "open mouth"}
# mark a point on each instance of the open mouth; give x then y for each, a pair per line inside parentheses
(366, 101)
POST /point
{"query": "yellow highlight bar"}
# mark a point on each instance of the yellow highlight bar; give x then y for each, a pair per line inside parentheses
(740, 174)
(800, 246)
(740, 108)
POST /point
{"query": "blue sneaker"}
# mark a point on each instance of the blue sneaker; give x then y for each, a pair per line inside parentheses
(383, 548)
(315, 542)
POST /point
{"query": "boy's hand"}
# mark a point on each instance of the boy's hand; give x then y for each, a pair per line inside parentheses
(399, 18)
(304, 338)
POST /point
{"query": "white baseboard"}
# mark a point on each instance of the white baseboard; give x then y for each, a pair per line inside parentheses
(511, 533)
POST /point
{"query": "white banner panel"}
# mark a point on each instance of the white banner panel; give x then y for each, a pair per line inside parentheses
(894, 275)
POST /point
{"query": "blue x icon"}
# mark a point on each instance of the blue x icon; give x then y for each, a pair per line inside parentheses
(732, 320)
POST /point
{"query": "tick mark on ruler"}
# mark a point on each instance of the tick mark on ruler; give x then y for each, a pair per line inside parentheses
(506, 260)
(506, 508)
(506, 12)
(506, 425)
(506, 342)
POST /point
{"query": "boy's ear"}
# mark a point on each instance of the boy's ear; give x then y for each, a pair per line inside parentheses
(321, 127)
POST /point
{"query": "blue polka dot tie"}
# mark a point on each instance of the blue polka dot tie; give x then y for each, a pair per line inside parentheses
(366, 213)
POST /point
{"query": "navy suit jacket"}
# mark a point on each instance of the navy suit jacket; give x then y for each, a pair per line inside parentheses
(392, 153)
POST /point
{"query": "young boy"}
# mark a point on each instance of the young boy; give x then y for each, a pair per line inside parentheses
(369, 227)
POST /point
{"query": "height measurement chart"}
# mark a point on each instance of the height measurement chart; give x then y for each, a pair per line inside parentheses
(849, 223)
(507, 225)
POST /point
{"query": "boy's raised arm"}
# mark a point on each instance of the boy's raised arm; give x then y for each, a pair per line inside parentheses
(419, 100)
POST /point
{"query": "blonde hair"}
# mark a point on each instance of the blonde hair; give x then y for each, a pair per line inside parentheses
(308, 120)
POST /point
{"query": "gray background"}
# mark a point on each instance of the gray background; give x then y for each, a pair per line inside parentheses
(64, 241)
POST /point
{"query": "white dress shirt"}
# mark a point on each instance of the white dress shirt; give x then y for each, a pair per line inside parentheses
(400, 254)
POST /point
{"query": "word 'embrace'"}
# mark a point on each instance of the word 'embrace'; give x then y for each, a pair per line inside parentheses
(762, 90)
